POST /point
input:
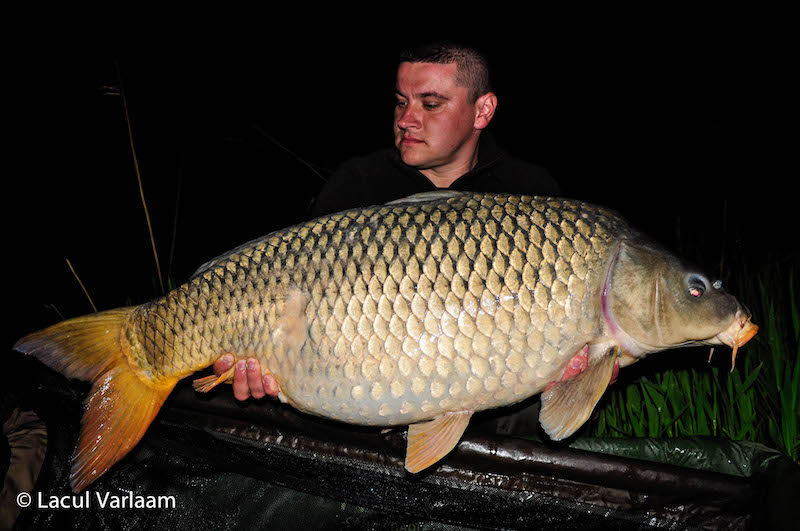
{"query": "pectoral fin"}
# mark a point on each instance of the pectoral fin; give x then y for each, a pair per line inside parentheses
(291, 330)
(429, 441)
(568, 404)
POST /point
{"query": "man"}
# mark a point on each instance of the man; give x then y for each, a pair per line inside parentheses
(444, 105)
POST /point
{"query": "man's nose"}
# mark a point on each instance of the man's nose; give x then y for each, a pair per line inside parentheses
(407, 117)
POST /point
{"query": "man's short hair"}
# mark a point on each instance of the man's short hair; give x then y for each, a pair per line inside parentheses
(472, 67)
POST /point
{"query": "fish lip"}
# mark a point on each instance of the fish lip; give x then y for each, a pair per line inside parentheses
(740, 331)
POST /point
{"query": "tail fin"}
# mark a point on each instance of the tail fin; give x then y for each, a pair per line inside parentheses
(121, 404)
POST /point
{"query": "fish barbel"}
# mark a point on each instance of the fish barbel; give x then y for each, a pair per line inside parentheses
(419, 312)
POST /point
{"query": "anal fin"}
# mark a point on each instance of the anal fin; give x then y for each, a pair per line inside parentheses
(430, 441)
(207, 383)
(568, 404)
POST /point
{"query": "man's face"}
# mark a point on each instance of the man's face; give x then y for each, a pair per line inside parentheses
(433, 119)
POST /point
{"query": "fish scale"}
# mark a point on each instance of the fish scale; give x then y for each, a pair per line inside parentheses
(420, 312)
(411, 310)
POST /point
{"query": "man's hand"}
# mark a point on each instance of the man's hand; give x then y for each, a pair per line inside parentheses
(247, 378)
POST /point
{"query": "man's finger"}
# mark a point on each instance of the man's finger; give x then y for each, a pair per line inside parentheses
(223, 364)
(240, 388)
(271, 385)
(254, 380)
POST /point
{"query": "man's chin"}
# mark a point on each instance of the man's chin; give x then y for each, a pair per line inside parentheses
(411, 158)
(408, 159)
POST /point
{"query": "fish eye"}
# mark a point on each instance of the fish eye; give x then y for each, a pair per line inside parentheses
(697, 286)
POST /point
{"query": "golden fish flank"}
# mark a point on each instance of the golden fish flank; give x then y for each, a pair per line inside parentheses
(418, 312)
(399, 313)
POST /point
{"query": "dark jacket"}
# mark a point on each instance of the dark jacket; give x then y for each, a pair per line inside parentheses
(382, 177)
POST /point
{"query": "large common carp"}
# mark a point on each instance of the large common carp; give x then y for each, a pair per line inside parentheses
(419, 312)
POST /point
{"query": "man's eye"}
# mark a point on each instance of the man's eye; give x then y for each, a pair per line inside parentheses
(399, 103)
(431, 106)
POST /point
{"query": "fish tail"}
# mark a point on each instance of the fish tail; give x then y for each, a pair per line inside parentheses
(122, 402)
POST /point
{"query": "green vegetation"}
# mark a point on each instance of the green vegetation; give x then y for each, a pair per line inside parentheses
(759, 401)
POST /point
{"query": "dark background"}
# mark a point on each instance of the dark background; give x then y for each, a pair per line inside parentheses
(685, 131)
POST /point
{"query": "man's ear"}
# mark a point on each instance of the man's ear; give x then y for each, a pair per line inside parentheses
(484, 110)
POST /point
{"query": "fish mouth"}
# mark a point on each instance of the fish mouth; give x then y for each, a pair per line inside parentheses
(740, 331)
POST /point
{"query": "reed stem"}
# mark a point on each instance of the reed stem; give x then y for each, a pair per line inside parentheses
(139, 178)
